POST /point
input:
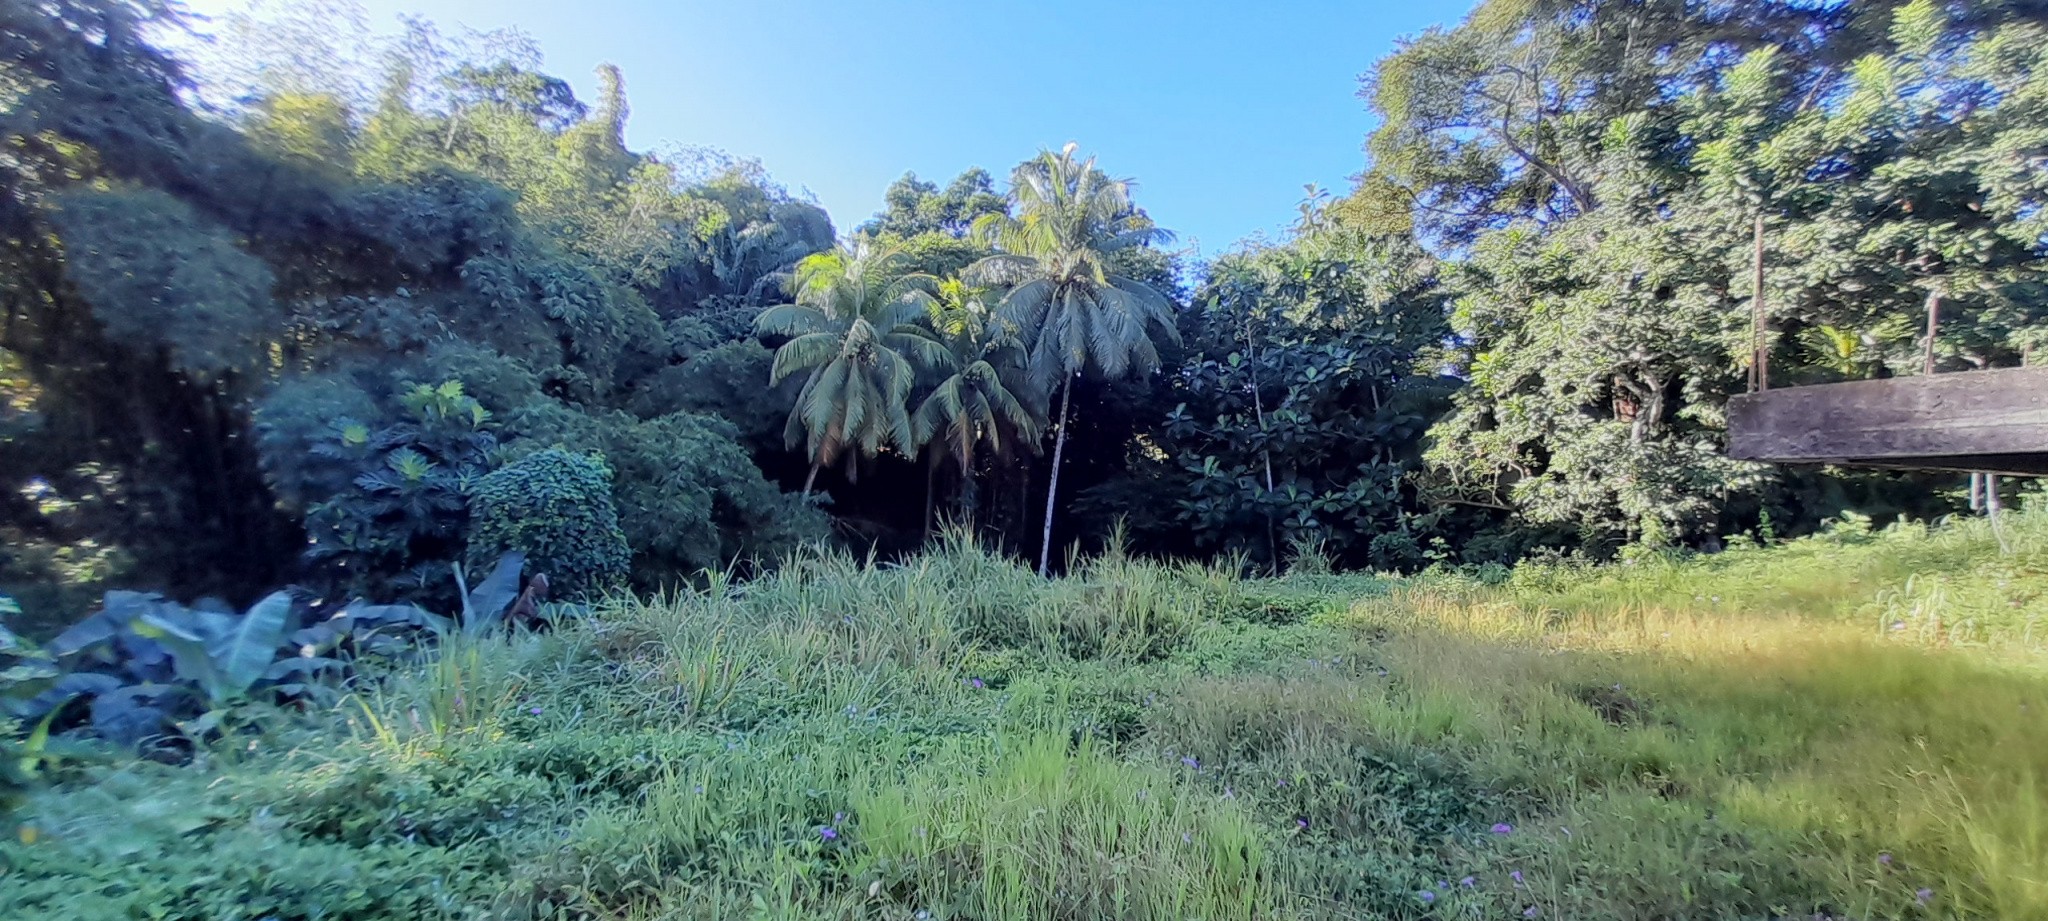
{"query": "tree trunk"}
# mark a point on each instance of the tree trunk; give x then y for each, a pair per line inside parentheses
(1760, 356)
(1992, 504)
(1259, 407)
(1052, 489)
(931, 488)
(811, 478)
(1933, 325)
(969, 500)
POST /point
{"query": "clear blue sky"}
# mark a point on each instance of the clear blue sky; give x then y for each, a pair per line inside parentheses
(1220, 110)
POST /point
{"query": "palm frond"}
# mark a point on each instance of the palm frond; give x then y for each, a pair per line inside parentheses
(803, 353)
(790, 320)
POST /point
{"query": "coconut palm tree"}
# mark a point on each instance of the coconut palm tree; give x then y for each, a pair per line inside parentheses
(982, 405)
(1077, 314)
(854, 330)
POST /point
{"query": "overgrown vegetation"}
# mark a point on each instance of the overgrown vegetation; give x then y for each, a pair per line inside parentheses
(273, 310)
(399, 323)
(1833, 734)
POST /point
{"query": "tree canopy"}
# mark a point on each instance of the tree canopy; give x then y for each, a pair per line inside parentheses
(278, 314)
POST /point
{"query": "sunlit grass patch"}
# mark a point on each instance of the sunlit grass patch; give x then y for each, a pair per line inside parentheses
(1865, 756)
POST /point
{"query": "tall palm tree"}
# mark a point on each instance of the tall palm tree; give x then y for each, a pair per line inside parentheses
(982, 404)
(854, 330)
(1080, 317)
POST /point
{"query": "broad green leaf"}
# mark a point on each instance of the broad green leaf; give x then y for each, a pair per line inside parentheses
(244, 653)
(189, 653)
(484, 606)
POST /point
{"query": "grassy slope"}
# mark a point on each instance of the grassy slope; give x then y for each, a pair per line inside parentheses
(1842, 726)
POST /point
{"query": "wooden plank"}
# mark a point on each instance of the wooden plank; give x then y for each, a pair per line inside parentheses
(1939, 421)
(2001, 464)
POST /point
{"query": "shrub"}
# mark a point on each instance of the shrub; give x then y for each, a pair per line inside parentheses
(383, 500)
(555, 507)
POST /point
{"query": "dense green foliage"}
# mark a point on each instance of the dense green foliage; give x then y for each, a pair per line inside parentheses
(554, 509)
(305, 292)
(1608, 177)
(326, 311)
(1828, 727)
(402, 323)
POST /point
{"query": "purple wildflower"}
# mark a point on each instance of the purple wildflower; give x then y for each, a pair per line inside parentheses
(1925, 896)
(1503, 828)
(1187, 838)
(1427, 896)
(1529, 912)
(1191, 762)
(535, 711)
(1440, 884)
(1517, 877)
(828, 833)
(975, 683)
(1468, 882)
(1884, 860)
(1303, 823)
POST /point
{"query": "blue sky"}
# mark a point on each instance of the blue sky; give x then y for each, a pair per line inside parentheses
(1220, 111)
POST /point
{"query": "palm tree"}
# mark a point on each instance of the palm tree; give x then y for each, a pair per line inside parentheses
(1079, 315)
(981, 404)
(853, 328)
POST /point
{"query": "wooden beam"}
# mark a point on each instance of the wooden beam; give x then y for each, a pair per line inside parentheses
(1995, 421)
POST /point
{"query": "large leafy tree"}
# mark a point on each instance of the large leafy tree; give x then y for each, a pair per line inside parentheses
(854, 333)
(1639, 203)
(193, 303)
(1297, 419)
(1056, 254)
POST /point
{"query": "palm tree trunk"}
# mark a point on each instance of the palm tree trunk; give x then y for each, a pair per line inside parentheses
(931, 490)
(969, 500)
(1052, 489)
(811, 478)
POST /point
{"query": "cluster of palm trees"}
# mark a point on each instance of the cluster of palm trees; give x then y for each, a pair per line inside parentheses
(1002, 341)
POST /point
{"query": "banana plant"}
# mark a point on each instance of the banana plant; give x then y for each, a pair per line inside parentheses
(221, 654)
(483, 607)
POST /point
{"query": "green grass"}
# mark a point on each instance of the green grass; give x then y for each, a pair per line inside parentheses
(1844, 726)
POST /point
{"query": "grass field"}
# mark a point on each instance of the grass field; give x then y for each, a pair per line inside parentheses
(1841, 727)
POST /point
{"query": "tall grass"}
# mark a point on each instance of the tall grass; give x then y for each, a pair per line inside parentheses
(1841, 727)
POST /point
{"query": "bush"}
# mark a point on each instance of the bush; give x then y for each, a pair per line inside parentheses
(555, 507)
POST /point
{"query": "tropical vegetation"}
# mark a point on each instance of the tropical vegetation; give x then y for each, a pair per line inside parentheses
(415, 502)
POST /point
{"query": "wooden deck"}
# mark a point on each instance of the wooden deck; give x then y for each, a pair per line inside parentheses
(1993, 421)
